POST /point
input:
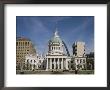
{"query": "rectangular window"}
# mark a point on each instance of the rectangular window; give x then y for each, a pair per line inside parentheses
(80, 60)
(16, 43)
(83, 60)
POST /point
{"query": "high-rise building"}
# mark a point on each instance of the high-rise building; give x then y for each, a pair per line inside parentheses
(79, 49)
(24, 47)
(79, 58)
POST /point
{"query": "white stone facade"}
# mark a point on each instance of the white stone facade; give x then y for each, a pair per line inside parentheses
(80, 63)
(31, 62)
(56, 59)
(34, 62)
(57, 63)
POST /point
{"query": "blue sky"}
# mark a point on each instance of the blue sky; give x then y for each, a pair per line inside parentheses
(40, 29)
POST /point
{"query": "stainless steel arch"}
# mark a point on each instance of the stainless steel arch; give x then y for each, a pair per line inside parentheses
(66, 48)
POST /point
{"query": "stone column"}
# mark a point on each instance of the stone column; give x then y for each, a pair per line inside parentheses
(66, 62)
(50, 63)
(54, 64)
(62, 63)
(47, 64)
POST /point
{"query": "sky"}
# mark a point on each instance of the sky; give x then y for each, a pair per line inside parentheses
(40, 29)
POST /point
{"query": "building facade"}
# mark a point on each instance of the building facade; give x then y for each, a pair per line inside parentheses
(56, 59)
(31, 62)
(79, 58)
(34, 62)
(24, 47)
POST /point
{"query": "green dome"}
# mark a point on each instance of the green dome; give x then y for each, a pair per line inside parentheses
(55, 39)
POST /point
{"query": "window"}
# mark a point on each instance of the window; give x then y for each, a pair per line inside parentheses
(80, 60)
(83, 60)
(26, 43)
(21, 43)
(17, 43)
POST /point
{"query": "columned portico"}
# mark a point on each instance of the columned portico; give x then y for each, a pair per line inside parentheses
(56, 57)
(55, 63)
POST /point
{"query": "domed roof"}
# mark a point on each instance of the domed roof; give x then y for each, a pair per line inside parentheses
(56, 38)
